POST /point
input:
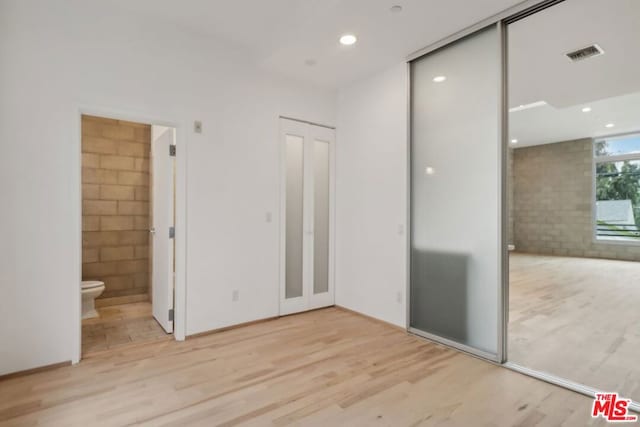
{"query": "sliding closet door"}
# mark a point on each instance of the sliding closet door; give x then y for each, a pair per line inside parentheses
(307, 217)
(455, 276)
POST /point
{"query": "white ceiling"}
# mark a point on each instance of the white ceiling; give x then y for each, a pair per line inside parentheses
(281, 35)
(609, 84)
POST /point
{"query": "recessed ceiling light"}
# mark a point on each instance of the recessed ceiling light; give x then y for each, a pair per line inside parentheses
(514, 141)
(586, 109)
(439, 79)
(609, 125)
(395, 9)
(348, 39)
(429, 170)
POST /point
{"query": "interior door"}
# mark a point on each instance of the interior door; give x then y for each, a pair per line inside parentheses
(162, 241)
(456, 206)
(307, 205)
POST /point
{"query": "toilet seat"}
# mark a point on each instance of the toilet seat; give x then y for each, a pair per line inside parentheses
(90, 284)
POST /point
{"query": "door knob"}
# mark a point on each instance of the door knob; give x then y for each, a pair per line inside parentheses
(152, 230)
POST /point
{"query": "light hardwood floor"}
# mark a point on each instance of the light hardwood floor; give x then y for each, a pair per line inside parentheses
(323, 368)
(578, 318)
(120, 325)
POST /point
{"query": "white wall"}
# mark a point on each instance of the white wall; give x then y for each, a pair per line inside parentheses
(371, 196)
(58, 55)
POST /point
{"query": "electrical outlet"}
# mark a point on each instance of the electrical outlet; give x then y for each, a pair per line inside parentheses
(399, 297)
(197, 126)
(235, 295)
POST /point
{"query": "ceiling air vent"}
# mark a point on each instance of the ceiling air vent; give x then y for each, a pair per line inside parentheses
(584, 53)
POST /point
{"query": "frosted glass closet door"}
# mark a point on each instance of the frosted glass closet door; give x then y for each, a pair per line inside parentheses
(307, 222)
(321, 148)
(456, 194)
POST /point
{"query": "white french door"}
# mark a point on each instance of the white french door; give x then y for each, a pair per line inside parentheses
(307, 220)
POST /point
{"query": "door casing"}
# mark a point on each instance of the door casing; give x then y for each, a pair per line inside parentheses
(181, 218)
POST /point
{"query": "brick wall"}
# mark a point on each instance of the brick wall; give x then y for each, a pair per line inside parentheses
(552, 202)
(115, 205)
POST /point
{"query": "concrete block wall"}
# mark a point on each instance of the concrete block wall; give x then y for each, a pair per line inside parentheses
(552, 202)
(115, 205)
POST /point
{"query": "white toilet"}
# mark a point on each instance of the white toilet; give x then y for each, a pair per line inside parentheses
(91, 289)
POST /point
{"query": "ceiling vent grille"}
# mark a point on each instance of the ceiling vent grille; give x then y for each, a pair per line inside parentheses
(584, 53)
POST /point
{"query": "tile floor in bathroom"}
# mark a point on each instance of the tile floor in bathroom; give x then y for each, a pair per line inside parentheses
(120, 325)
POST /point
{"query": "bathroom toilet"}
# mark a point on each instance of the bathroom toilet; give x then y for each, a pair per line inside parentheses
(90, 289)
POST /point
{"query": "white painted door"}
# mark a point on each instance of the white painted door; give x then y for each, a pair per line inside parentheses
(307, 220)
(162, 200)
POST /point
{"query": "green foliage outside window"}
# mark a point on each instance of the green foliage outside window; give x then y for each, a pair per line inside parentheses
(618, 180)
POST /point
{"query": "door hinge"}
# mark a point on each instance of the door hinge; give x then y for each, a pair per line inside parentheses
(171, 315)
(172, 232)
(172, 150)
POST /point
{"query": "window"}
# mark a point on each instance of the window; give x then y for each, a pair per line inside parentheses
(617, 188)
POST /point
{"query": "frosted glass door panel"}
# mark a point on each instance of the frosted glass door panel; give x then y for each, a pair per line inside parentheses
(321, 217)
(455, 192)
(294, 215)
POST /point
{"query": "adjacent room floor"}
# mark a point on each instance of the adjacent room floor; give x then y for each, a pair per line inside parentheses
(120, 325)
(323, 368)
(578, 318)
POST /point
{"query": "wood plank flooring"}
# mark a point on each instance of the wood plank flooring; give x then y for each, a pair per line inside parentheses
(324, 368)
(120, 325)
(578, 318)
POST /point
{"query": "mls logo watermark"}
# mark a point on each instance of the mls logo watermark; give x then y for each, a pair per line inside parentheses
(612, 408)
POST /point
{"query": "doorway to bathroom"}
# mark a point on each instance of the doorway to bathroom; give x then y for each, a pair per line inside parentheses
(128, 232)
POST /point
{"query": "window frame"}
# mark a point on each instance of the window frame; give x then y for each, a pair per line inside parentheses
(594, 179)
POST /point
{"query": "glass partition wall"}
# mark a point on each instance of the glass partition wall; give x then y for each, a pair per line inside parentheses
(456, 175)
(525, 197)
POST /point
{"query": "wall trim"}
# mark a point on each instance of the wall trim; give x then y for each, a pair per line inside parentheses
(231, 327)
(374, 319)
(268, 319)
(35, 370)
